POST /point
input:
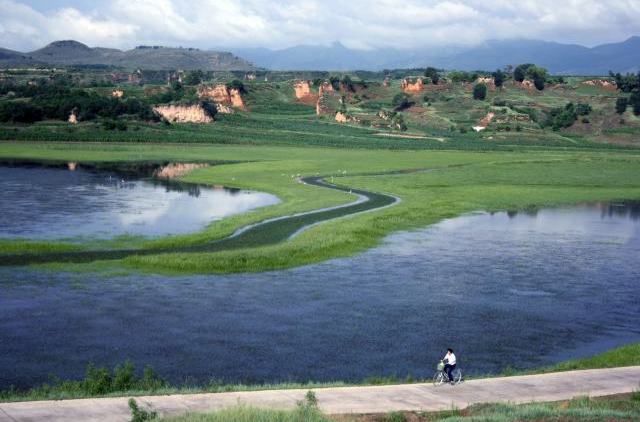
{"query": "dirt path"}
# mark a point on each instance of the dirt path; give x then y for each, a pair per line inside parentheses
(374, 399)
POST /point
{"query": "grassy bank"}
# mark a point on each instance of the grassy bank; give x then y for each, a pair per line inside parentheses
(450, 183)
(619, 408)
(123, 380)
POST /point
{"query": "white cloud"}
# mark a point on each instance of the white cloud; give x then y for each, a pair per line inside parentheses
(356, 23)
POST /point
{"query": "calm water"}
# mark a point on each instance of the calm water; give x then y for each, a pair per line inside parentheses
(503, 290)
(50, 203)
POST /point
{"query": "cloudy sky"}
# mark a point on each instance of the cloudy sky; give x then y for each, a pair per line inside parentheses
(26, 25)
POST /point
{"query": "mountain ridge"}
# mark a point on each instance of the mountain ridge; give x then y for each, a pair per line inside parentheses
(492, 54)
(71, 52)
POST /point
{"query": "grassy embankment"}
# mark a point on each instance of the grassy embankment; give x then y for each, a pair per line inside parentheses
(616, 408)
(457, 182)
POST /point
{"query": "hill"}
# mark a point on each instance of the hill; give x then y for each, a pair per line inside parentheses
(558, 58)
(69, 52)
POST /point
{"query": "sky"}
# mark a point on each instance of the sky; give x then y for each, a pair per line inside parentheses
(361, 24)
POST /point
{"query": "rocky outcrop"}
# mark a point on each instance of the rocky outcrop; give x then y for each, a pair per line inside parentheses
(222, 95)
(174, 170)
(412, 87)
(488, 81)
(602, 83)
(73, 117)
(302, 89)
(183, 113)
(526, 84)
(236, 98)
(484, 122)
(117, 93)
(341, 117)
(387, 82)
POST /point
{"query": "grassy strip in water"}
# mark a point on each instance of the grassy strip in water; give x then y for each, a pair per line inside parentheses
(124, 380)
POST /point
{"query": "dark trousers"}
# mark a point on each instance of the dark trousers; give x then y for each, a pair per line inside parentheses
(448, 369)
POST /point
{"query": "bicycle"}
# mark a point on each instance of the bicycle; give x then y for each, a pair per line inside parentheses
(440, 377)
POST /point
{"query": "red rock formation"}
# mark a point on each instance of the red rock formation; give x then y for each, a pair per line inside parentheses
(222, 95)
(488, 81)
(412, 87)
(302, 89)
(174, 170)
(183, 113)
(602, 83)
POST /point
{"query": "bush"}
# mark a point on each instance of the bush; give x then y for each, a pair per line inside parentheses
(237, 84)
(140, 415)
(634, 100)
(621, 105)
(498, 78)
(562, 117)
(395, 417)
(583, 109)
(480, 92)
(433, 74)
(401, 101)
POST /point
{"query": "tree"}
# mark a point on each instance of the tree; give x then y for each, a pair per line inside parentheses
(433, 74)
(194, 77)
(498, 78)
(634, 100)
(621, 105)
(237, 84)
(539, 76)
(401, 101)
(480, 92)
(19, 111)
(520, 72)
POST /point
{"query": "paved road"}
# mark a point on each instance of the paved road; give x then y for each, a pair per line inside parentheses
(375, 399)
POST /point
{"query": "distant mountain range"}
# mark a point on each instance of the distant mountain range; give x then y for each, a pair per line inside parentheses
(69, 52)
(568, 59)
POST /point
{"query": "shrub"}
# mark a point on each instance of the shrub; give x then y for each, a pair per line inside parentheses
(480, 92)
(498, 78)
(395, 417)
(634, 100)
(401, 101)
(520, 72)
(237, 84)
(140, 415)
(433, 74)
(621, 105)
(583, 109)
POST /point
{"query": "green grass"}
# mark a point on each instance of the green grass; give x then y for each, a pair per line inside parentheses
(621, 356)
(583, 409)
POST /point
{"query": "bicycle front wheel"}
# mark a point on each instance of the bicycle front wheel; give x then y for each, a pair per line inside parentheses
(438, 378)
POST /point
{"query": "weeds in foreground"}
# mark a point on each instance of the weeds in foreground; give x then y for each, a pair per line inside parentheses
(139, 414)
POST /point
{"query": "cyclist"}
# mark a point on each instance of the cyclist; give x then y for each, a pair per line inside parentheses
(450, 364)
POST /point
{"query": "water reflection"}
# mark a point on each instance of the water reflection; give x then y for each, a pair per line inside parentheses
(50, 203)
(524, 291)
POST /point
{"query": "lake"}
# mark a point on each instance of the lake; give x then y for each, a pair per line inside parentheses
(56, 203)
(507, 289)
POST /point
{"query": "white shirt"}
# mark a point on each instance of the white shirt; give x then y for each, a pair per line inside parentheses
(450, 358)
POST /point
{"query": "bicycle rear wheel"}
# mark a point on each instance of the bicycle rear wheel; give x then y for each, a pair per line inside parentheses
(438, 378)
